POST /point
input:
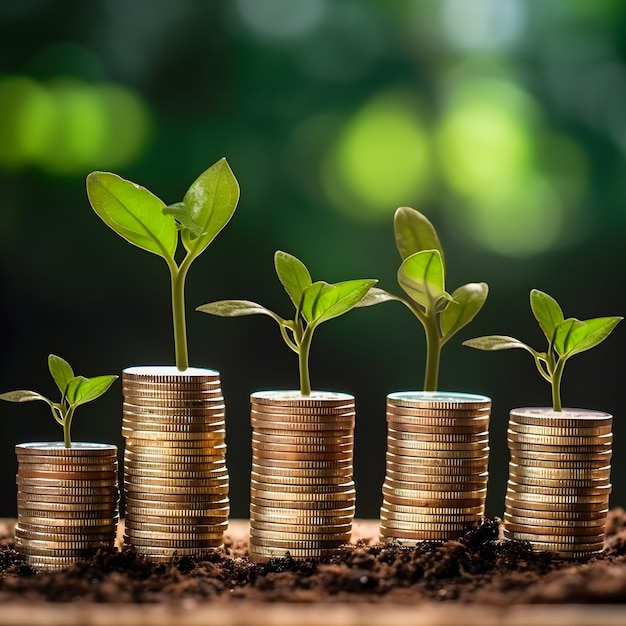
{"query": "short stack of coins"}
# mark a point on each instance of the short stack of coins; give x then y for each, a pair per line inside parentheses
(559, 479)
(436, 465)
(67, 502)
(175, 475)
(302, 495)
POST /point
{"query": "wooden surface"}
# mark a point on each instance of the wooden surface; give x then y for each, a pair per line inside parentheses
(326, 614)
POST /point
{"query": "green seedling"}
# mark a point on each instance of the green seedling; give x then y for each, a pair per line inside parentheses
(315, 302)
(422, 276)
(566, 337)
(75, 390)
(145, 221)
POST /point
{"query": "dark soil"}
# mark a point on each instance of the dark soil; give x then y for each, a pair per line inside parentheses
(478, 568)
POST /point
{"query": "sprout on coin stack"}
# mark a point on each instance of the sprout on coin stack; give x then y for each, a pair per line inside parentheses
(67, 494)
(175, 476)
(302, 492)
(437, 443)
(559, 473)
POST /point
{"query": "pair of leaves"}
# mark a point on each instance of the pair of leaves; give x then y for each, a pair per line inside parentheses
(422, 276)
(144, 220)
(75, 390)
(315, 302)
(566, 337)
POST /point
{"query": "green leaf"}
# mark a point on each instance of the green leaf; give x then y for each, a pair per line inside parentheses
(546, 311)
(466, 302)
(579, 336)
(563, 335)
(293, 275)
(422, 278)
(497, 342)
(414, 233)
(23, 396)
(236, 308)
(133, 212)
(208, 206)
(81, 390)
(61, 371)
(376, 296)
(323, 301)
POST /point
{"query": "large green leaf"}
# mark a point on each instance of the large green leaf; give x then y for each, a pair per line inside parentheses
(546, 311)
(414, 233)
(466, 302)
(133, 212)
(236, 308)
(23, 396)
(584, 335)
(293, 275)
(81, 390)
(208, 205)
(322, 301)
(564, 335)
(496, 342)
(61, 371)
(422, 278)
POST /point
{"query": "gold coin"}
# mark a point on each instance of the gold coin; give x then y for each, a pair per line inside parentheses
(151, 436)
(294, 529)
(442, 510)
(269, 472)
(559, 440)
(174, 543)
(434, 487)
(436, 429)
(419, 494)
(167, 375)
(558, 497)
(172, 500)
(399, 446)
(278, 427)
(86, 550)
(296, 544)
(78, 449)
(281, 489)
(35, 469)
(62, 513)
(44, 519)
(295, 398)
(109, 500)
(427, 499)
(165, 520)
(69, 531)
(290, 438)
(420, 518)
(435, 461)
(597, 491)
(559, 431)
(576, 507)
(429, 469)
(533, 450)
(564, 541)
(425, 535)
(343, 500)
(595, 513)
(75, 477)
(437, 416)
(573, 526)
(138, 474)
(300, 457)
(555, 462)
(583, 484)
(601, 473)
(303, 416)
(73, 463)
(304, 463)
(165, 447)
(214, 428)
(194, 512)
(438, 399)
(166, 399)
(268, 537)
(182, 457)
(28, 535)
(432, 477)
(302, 448)
(438, 434)
(165, 486)
(130, 466)
(305, 411)
(291, 510)
(299, 480)
(568, 417)
(73, 507)
(262, 553)
(340, 493)
(426, 526)
(186, 527)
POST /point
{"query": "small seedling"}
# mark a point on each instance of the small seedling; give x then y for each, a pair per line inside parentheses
(422, 276)
(145, 221)
(566, 337)
(75, 390)
(315, 302)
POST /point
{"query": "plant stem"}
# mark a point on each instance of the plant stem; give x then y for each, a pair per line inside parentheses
(67, 425)
(179, 274)
(303, 362)
(556, 385)
(433, 353)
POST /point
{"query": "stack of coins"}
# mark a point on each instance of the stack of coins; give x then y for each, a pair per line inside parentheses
(67, 501)
(302, 493)
(437, 465)
(175, 476)
(559, 479)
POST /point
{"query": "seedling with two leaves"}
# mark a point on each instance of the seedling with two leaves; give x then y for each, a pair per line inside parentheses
(144, 220)
(566, 337)
(315, 302)
(422, 276)
(75, 390)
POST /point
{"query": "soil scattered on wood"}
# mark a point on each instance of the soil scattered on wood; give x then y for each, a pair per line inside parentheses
(480, 567)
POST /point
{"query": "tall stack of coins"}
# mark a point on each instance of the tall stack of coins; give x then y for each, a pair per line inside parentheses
(175, 476)
(67, 502)
(302, 493)
(558, 489)
(437, 465)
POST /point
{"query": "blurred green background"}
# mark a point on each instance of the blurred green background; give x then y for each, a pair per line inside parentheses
(503, 120)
